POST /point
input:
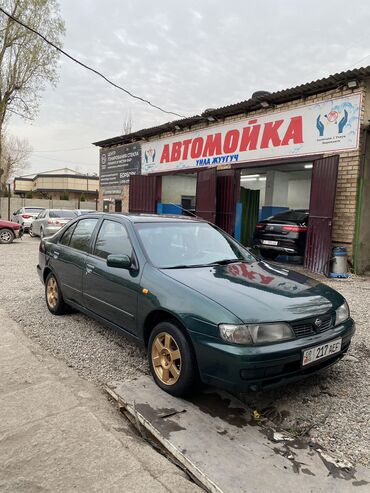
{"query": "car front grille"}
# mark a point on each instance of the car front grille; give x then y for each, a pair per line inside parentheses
(308, 327)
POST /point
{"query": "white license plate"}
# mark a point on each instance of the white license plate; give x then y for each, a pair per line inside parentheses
(269, 242)
(318, 352)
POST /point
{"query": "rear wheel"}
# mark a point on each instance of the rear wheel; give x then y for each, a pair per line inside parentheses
(31, 233)
(6, 235)
(42, 235)
(269, 254)
(172, 360)
(53, 296)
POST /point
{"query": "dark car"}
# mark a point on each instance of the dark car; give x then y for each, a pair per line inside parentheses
(282, 234)
(9, 231)
(202, 305)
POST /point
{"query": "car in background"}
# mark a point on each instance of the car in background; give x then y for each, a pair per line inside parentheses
(25, 216)
(9, 231)
(201, 304)
(81, 212)
(49, 221)
(282, 234)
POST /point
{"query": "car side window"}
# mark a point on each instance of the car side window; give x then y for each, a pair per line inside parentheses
(82, 234)
(41, 215)
(112, 239)
(66, 237)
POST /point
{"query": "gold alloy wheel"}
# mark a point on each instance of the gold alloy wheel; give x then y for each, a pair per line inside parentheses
(52, 292)
(166, 358)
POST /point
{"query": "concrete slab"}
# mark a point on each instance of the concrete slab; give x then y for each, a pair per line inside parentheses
(59, 433)
(213, 438)
(87, 460)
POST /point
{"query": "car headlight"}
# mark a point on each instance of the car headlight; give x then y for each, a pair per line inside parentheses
(256, 333)
(342, 313)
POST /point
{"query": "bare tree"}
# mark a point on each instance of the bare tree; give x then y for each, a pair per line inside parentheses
(127, 124)
(27, 62)
(14, 157)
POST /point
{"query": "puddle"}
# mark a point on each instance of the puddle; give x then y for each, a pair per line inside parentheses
(219, 407)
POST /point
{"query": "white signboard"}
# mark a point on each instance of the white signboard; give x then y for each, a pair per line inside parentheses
(329, 126)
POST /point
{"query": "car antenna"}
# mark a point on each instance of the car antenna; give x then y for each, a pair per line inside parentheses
(183, 209)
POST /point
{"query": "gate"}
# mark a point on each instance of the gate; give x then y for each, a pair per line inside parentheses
(145, 192)
(228, 192)
(205, 206)
(322, 200)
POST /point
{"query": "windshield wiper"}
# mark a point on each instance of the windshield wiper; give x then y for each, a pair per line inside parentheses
(226, 261)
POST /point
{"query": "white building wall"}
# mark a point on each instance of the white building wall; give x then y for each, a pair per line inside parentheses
(174, 186)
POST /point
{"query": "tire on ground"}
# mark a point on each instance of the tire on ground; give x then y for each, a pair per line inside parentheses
(53, 296)
(188, 377)
(6, 235)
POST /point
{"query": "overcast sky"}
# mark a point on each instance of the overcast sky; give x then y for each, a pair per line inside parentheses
(185, 56)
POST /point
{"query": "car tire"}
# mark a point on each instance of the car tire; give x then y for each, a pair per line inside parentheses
(6, 236)
(172, 360)
(269, 254)
(42, 235)
(30, 232)
(53, 296)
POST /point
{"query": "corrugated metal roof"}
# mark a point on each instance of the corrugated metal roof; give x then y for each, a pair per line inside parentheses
(279, 97)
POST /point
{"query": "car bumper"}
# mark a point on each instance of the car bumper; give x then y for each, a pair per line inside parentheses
(244, 369)
(287, 247)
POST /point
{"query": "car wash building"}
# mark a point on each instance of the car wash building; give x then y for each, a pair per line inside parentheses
(301, 148)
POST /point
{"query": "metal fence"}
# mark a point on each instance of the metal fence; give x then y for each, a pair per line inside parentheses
(16, 203)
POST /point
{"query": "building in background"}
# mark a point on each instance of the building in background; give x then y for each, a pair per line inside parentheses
(306, 147)
(58, 184)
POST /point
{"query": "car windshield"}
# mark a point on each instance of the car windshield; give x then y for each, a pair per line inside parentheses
(62, 213)
(33, 210)
(189, 244)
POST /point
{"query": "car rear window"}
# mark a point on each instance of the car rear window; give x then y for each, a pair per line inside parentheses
(62, 213)
(299, 216)
(33, 210)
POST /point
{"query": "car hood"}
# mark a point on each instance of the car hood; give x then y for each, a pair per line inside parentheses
(9, 224)
(260, 292)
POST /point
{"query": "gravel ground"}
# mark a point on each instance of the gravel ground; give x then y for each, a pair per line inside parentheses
(332, 408)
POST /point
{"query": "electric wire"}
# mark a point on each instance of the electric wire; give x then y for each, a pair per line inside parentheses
(91, 69)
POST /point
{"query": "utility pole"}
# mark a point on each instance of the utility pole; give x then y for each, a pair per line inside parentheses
(8, 201)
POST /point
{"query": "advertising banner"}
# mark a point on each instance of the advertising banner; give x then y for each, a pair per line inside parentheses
(117, 164)
(325, 127)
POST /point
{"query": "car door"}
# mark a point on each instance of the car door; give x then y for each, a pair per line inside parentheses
(68, 258)
(37, 223)
(112, 292)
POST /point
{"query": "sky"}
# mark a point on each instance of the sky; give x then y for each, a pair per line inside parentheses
(185, 56)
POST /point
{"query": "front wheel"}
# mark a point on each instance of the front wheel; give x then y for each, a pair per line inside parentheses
(172, 360)
(6, 236)
(53, 296)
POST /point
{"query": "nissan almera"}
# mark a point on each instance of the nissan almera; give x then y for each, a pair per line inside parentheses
(201, 304)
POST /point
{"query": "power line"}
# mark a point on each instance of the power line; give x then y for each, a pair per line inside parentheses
(87, 67)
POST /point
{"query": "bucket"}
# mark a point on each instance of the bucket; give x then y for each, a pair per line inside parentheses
(339, 260)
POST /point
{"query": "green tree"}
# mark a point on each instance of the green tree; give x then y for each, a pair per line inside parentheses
(27, 63)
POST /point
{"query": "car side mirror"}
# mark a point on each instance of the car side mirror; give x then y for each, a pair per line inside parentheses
(119, 261)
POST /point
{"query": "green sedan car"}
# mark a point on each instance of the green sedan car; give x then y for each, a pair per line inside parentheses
(201, 304)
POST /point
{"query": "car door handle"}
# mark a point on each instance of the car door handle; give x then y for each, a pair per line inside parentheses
(56, 254)
(89, 268)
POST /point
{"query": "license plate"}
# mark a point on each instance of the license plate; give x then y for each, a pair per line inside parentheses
(315, 353)
(269, 242)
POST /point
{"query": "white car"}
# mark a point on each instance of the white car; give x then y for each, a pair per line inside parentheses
(25, 216)
(49, 221)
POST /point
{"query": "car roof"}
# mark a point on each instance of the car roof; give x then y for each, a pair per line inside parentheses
(152, 218)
